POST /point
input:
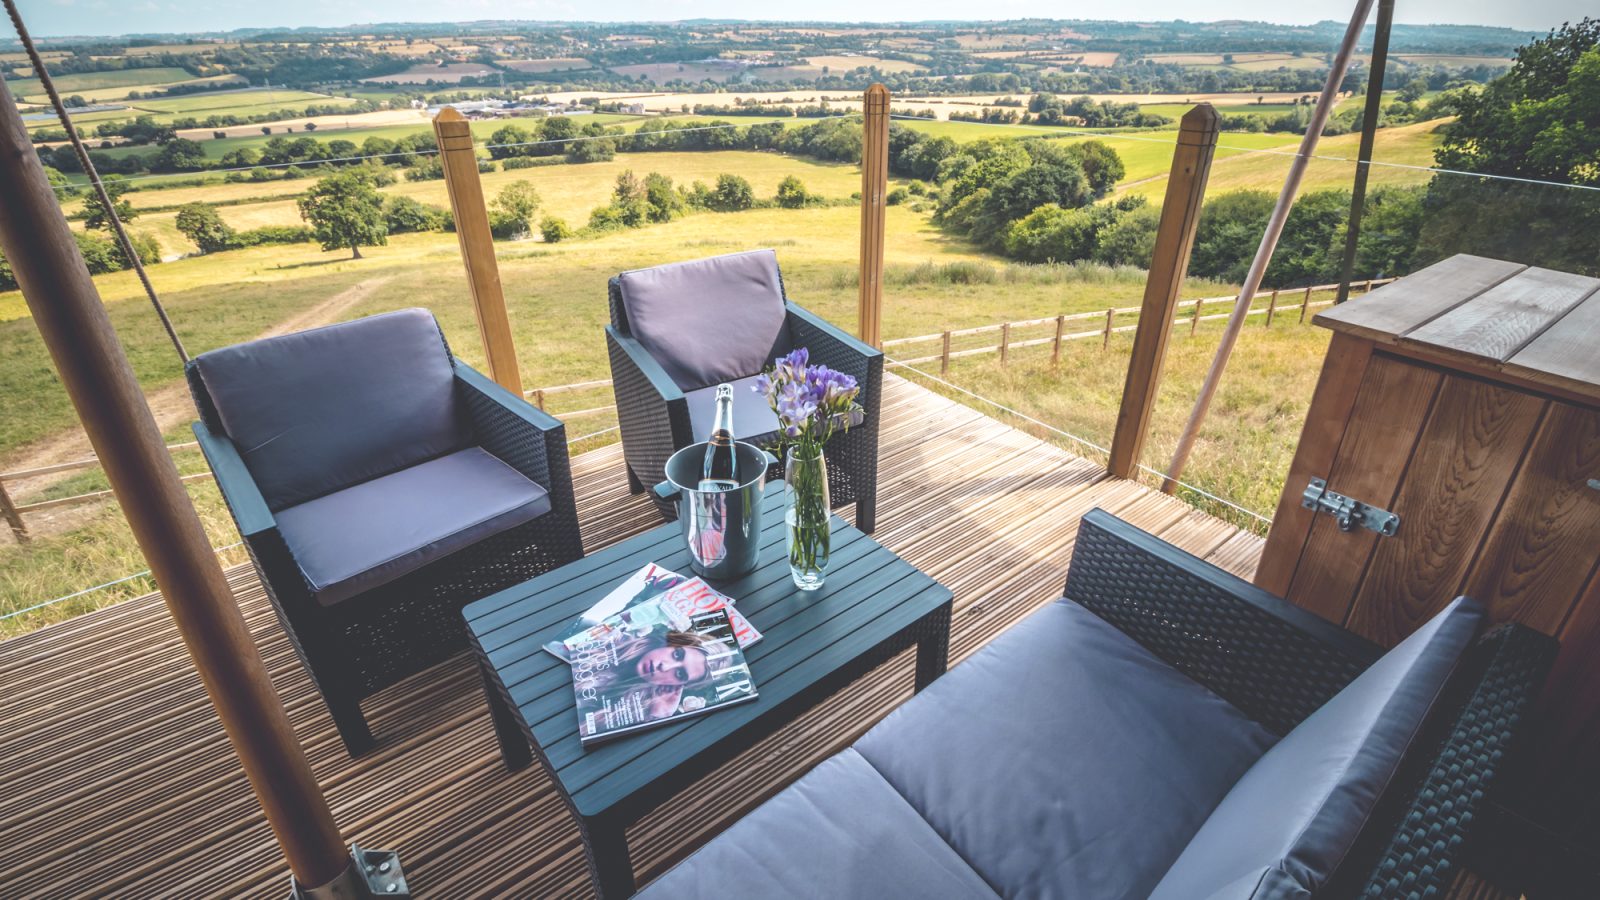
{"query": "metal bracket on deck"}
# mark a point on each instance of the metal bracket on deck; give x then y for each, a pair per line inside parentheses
(1348, 511)
(372, 873)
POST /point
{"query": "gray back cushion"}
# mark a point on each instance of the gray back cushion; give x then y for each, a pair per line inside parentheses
(708, 320)
(320, 410)
(1289, 822)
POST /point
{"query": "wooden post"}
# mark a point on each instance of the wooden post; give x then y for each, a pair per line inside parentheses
(538, 398)
(1055, 351)
(1194, 323)
(1366, 288)
(1305, 305)
(874, 211)
(72, 321)
(1272, 307)
(460, 161)
(1105, 344)
(944, 355)
(1005, 341)
(13, 518)
(1180, 213)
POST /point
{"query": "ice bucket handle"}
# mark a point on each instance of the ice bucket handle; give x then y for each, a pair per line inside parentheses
(668, 491)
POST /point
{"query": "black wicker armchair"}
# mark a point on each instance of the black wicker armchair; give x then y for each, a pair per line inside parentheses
(678, 330)
(380, 485)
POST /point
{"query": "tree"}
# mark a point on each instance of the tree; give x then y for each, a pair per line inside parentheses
(95, 213)
(200, 223)
(180, 155)
(311, 126)
(345, 210)
(506, 140)
(792, 193)
(1228, 233)
(661, 198)
(511, 214)
(1131, 239)
(1414, 90)
(732, 193)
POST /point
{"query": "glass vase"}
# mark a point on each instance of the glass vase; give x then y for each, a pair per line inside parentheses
(805, 487)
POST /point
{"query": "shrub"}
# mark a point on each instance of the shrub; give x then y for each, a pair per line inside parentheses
(408, 214)
(554, 230)
(274, 234)
(897, 196)
(732, 193)
(524, 162)
(917, 188)
(511, 214)
(662, 201)
(792, 193)
(427, 169)
(592, 150)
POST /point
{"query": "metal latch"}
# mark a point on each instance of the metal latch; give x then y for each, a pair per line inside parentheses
(1348, 511)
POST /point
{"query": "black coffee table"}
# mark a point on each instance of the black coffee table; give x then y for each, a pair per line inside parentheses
(874, 605)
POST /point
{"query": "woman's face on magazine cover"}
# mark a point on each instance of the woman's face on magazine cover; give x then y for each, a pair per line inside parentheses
(672, 665)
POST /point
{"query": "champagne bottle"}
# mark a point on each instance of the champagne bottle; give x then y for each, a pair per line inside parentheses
(721, 468)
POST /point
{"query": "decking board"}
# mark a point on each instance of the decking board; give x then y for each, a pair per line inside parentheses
(130, 787)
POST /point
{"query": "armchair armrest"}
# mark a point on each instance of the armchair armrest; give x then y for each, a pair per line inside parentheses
(1459, 772)
(645, 365)
(514, 430)
(651, 410)
(830, 345)
(1274, 661)
(249, 508)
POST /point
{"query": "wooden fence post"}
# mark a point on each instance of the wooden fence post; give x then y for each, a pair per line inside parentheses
(538, 398)
(460, 162)
(1194, 323)
(1305, 304)
(874, 211)
(1055, 351)
(1272, 307)
(1180, 213)
(1005, 341)
(944, 355)
(12, 517)
(1105, 343)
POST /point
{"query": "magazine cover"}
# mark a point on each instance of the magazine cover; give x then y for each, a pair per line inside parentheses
(695, 596)
(632, 675)
(649, 582)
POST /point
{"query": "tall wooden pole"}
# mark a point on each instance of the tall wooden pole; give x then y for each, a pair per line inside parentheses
(1180, 214)
(874, 211)
(1269, 243)
(66, 308)
(1369, 134)
(460, 161)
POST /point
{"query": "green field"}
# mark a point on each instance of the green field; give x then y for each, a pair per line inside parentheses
(80, 83)
(240, 102)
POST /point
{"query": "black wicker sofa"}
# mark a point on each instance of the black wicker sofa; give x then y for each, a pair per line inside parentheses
(1164, 730)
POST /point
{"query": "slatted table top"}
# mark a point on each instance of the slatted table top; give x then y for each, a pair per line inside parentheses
(1500, 317)
(872, 600)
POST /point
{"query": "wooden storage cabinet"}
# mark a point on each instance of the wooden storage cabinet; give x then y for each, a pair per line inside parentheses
(1465, 399)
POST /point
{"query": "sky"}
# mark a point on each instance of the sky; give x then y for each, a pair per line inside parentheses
(113, 17)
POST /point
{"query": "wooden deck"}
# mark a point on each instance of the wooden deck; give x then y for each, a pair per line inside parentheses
(119, 782)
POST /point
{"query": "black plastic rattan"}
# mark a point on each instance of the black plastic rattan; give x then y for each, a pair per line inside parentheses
(654, 417)
(1278, 663)
(357, 647)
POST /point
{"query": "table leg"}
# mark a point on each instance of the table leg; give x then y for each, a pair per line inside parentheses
(514, 749)
(933, 647)
(609, 865)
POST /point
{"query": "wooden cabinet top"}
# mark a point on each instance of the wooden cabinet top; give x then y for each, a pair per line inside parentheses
(1496, 317)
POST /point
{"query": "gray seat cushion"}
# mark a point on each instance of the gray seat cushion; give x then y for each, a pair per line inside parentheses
(708, 321)
(840, 831)
(1064, 759)
(320, 410)
(368, 535)
(1292, 818)
(752, 417)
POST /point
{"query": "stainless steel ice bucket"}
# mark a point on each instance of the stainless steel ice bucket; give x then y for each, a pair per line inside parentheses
(722, 528)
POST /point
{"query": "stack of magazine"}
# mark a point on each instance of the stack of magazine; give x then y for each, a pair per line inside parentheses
(658, 648)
